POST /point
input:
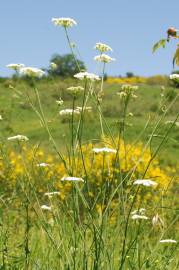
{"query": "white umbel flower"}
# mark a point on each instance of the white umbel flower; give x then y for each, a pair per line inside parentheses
(53, 66)
(72, 178)
(140, 211)
(104, 150)
(135, 217)
(168, 241)
(32, 72)
(102, 47)
(68, 112)
(51, 194)
(20, 138)
(104, 58)
(43, 164)
(172, 122)
(85, 108)
(59, 102)
(122, 94)
(15, 67)
(46, 207)
(128, 87)
(145, 182)
(86, 75)
(1, 117)
(65, 22)
(75, 90)
(174, 77)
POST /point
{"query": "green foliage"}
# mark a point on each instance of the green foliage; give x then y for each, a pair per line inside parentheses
(129, 74)
(158, 80)
(171, 94)
(159, 44)
(66, 65)
(176, 57)
(105, 77)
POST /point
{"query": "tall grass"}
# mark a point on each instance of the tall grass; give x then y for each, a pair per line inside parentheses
(97, 216)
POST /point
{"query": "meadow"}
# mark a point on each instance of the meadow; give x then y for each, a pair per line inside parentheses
(150, 104)
(88, 171)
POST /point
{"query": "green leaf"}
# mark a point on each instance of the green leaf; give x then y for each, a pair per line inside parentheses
(160, 43)
(176, 57)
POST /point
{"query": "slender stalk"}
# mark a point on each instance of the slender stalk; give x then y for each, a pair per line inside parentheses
(44, 122)
(71, 48)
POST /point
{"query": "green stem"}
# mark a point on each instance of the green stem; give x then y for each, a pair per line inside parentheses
(71, 48)
(44, 122)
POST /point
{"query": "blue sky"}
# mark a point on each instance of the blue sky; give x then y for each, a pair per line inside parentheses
(130, 27)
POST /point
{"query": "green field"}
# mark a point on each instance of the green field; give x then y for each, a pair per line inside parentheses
(150, 106)
(103, 220)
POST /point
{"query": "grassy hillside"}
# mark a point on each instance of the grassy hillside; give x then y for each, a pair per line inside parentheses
(149, 106)
(77, 224)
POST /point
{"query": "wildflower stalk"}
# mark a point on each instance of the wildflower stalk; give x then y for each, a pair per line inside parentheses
(44, 122)
(27, 229)
(79, 131)
(72, 135)
(99, 101)
(71, 48)
(96, 103)
(137, 191)
(5, 249)
(161, 144)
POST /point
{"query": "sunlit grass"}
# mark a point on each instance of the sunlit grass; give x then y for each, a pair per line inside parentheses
(90, 182)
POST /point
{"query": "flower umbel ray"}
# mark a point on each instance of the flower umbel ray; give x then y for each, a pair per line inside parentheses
(102, 47)
(65, 22)
(145, 182)
(72, 178)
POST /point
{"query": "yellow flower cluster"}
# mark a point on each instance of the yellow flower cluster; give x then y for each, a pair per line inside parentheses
(132, 80)
(45, 172)
(153, 80)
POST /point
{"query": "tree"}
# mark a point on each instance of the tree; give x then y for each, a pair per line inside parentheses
(129, 74)
(65, 65)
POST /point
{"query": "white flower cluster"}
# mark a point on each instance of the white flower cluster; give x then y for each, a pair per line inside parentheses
(43, 164)
(139, 214)
(20, 138)
(136, 216)
(69, 112)
(32, 72)
(168, 241)
(75, 90)
(127, 90)
(65, 22)
(128, 87)
(72, 178)
(104, 150)
(46, 207)
(86, 75)
(174, 77)
(140, 211)
(85, 108)
(51, 194)
(104, 58)
(53, 66)
(59, 102)
(27, 71)
(102, 47)
(15, 67)
(172, 122)
(77, 111)
(145, 182)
